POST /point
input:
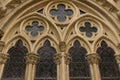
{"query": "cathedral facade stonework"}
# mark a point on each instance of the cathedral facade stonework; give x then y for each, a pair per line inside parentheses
(59, 40)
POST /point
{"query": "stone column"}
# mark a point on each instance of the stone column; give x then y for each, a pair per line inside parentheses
(3, 59)
(93, 60)
(57, 59)
(31, 60)
(64, 61)
(62, 69)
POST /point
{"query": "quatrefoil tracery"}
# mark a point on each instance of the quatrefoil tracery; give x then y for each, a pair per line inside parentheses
(88, 29)
(61, 13)
(34, 28)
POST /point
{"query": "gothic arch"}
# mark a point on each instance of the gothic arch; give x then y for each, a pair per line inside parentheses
(110, 43)
(83, 42)
(61, 22)
(11, 42)
(39, 43)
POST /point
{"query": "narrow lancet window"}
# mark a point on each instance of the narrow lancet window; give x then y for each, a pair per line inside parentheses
(15, 66)
(79, 69)
(46, 68)
(108, 66)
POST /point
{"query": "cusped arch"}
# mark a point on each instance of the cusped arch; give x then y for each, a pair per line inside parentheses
(11, 42)
(34, 16)
(83, 42)
(89, 16)
(110, 43)
(40, 42)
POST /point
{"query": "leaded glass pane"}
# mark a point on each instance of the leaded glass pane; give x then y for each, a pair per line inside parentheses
(108, 66)
(46, 68)
(79, 69)
(15, 66)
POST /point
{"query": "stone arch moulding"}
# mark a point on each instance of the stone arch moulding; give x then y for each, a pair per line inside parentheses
(32, 16)
(25, 8)
(40, 42)
(110, 43)
(83, 42)
(11, 42)
(102, 25)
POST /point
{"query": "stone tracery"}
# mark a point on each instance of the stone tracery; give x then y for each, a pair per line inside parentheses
(67, 22)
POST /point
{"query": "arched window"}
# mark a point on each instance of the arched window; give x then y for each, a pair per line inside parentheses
(108, 66)
(79, 69)
(46, 68)
(15, 67)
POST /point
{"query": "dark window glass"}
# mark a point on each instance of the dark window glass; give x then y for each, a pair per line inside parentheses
(79, 69)
(15, 66)
(34, 28)
(46, 68)
(108, 66)
(61, 12)
(88, 29)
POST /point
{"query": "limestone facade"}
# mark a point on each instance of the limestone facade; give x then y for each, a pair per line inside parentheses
(17, 18)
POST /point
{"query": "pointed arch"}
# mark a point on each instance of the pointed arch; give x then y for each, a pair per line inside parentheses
(79, 68)
(11, 42)
(46, 68)
(39, 43)
(85, 43)
(15, 66)
(94, 18)
(108, 65)
(111, 43)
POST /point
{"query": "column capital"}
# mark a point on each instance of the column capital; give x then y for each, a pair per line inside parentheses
(31, 58)
(57, 58)
(93, 58)
(3, 58)
(118, 58)
(62, 46)
(67, 58)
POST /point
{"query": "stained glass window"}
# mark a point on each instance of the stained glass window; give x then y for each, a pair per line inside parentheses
(34, 28)
(46, 68)
(79, 69)
(88, 29)
(108, 66)
(61, 12)
(15, 66)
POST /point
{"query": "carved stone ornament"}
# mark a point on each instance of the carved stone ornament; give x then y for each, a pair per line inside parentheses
(93, 58)
(57, 58)
(3, 58)
(67, 58)
(31, 58)
(62, 46)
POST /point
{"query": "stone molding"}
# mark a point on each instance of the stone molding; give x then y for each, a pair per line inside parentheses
(93, 58)
(31, 58)
(3, 58)
(62, 46)
(58, 58)
(118, 58)
(67, 58)
(12, 4)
